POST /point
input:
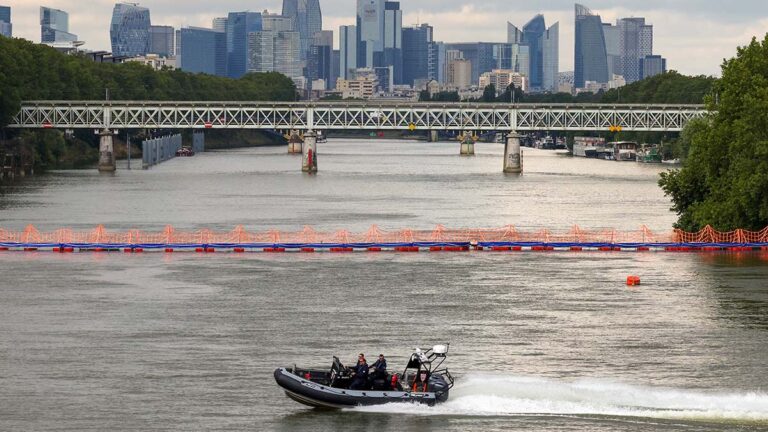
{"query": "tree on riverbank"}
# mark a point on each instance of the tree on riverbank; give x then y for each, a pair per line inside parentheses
(725, 179)
(30, 71)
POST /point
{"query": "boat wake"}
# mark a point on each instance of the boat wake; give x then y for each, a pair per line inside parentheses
(485, 395)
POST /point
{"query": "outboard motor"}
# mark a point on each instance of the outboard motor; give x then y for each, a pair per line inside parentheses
(439, 386)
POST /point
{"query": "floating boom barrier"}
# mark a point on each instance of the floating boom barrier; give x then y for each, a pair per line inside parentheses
(440, 239)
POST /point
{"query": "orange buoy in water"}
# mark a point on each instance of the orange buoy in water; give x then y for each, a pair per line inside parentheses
(633, 280)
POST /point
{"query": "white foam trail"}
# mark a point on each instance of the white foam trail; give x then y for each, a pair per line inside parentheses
(485, 395)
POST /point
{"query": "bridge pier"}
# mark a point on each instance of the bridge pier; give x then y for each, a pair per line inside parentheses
(309, 153)
(434, 136)
(106, 151)
(467, 145)
(294, 143)
(513, 160)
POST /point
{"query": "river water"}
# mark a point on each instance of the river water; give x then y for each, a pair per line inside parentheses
(538, 341)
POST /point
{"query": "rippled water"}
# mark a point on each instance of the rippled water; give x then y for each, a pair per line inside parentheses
(538, 341)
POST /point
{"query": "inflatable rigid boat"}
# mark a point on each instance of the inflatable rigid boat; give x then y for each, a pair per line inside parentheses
(422, 381)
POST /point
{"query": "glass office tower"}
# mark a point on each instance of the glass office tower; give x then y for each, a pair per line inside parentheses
(590, 60)
(129, 30)
(307, 20)
(54, 26)
(239, 25)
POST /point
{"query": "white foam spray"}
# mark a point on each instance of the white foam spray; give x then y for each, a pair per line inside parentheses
(486, 395)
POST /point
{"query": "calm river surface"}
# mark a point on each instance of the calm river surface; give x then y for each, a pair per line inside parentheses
(538, 341)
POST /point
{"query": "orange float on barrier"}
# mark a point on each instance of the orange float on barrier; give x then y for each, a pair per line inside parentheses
(128, 250)
(168, 250)
(435, 249)
(30, 249)
(199, 250)
(501, 248)
(69, 249)
(308, 250)
(517, 248)
(238, 250)
(3, 248)
(605, 249)
(643, 249)
(374, 249)
(576, 248)
(633, 280)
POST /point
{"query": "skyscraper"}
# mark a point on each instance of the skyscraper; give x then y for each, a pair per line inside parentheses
(319, 62)
(370, 33)
(393, 40)
(307, 20)
(6, 28)
(203, 51)
(276, 48)
(54, 26)
(129, 30)
(161, 40)
(239, 25)
(551, 58)
(347, 51)
(532, 36)
(636, 42)
(416, 52)
(590, 58)
(543, 51)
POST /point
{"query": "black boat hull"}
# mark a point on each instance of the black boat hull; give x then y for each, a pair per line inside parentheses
(322, 396)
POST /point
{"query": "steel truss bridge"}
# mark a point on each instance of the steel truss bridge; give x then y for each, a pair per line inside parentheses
(352, 115)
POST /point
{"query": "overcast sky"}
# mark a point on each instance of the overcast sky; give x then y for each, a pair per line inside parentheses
(694, 35)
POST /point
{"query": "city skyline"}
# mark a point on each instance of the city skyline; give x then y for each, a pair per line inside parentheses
(691, 49)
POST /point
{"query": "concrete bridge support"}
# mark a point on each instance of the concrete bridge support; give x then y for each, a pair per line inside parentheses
(106, 151)
(309, 153)
(294, 143)
(434, 136)
(513, 157)
(467, 145)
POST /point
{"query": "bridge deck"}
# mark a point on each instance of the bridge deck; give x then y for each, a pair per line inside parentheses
(354, 115)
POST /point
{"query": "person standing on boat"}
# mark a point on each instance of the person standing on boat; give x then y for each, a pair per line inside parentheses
(360, 371)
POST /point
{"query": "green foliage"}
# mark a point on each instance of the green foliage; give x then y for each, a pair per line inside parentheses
(724, 182)
(489, 93)
(30, 71)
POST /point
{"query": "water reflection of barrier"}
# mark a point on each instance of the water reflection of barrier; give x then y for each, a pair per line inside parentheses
(508, 238)
(157, 150)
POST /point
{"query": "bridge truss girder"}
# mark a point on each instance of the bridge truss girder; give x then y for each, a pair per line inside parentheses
(322, 116)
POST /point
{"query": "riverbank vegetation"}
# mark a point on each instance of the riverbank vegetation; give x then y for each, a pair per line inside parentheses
(30, 71)
(724, 182)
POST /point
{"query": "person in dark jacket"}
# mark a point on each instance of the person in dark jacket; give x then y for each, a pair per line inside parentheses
(360, 377)
(381, 364)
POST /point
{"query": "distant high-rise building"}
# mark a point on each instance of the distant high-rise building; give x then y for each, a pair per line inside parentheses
(54, 26)
(335, 69)
(6, 28)
(129, 30)
(543, 52)
(514, 35)
(481, 56)
(436, 61)
(161, 40)
(636, 42)
(347, 51)
(551, 58)
(393, 40)
(612, 49)
(203, 51)
(307, 20)
(533, 33)
(320, 60)
(416, 53)
(219, 24)
(652, 65)
(276, 48)
(590, 57)
(239, 25)
(370, 33)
